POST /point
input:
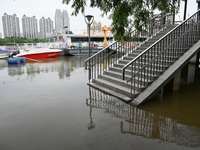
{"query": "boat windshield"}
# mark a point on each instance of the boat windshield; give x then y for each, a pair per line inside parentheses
(54, 45)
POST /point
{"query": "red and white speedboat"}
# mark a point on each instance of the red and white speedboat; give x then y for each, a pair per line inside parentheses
(38, 53)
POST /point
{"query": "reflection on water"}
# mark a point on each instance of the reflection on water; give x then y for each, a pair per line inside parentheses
(155, 120)
(63, 65)
(51, 112)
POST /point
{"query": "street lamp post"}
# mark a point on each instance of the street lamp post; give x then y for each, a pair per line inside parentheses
(89, 20)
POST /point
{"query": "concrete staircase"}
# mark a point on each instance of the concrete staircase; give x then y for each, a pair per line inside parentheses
(111, 82)
(135, 75)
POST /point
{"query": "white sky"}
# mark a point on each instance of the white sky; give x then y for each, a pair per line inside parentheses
(47, 8)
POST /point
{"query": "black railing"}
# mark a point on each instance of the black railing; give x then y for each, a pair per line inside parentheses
(106, 57)
(155, 59)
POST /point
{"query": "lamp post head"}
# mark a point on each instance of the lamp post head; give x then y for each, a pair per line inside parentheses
(89, 19)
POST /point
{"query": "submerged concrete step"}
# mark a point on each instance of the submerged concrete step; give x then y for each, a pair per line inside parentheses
(110, 92)
(114, 87)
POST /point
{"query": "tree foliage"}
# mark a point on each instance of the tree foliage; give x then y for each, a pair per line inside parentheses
(20, 40)
(126, 14)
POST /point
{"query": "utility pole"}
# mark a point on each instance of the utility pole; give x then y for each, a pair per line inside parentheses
(185, 10)
(198, 7)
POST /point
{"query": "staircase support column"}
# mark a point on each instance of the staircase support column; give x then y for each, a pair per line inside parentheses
(191, 68)
(193, 60)
(176, 82)
(198, 60)
(191, 72)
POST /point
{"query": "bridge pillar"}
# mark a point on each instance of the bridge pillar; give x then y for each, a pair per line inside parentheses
(176, 82)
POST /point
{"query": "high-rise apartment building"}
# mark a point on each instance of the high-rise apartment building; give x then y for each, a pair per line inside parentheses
(66, 21)
(62, 22)
(96, 27)
(11, 26)
(46, 27)
(58, 21)
(30, 27)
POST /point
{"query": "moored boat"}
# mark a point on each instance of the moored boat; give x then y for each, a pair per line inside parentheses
(6, 53)
(38, 53)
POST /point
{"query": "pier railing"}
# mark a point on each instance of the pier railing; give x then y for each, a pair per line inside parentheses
(105, 58)
(159, 56)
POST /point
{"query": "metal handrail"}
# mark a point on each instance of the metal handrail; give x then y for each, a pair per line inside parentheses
(105, 58)
(99, 52)
(162, 53)
(159, 54)
(148, 49)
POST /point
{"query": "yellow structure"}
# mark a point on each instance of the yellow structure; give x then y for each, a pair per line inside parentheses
(105, 42)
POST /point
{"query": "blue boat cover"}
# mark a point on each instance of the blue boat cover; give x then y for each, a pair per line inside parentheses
(6, 51)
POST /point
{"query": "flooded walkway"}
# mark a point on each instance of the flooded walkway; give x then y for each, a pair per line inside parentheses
(47, 105)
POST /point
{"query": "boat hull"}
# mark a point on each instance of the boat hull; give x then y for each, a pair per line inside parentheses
(4, 55)
(39, 55)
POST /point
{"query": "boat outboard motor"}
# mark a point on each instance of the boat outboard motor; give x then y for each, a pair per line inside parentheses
(14, 53)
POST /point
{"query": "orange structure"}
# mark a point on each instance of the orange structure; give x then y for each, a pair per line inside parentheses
(105, 42)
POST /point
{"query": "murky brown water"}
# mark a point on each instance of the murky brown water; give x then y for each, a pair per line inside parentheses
(49, 106)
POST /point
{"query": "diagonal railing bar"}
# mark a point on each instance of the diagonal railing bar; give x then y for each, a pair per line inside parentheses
(159, 56)
(105, 58)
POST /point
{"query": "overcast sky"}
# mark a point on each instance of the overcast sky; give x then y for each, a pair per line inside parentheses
(47, 8)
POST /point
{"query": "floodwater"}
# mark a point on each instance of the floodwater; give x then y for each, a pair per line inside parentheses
(48, 106)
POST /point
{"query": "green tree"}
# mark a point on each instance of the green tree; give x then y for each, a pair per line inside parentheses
(126, 14)
(20, 40)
